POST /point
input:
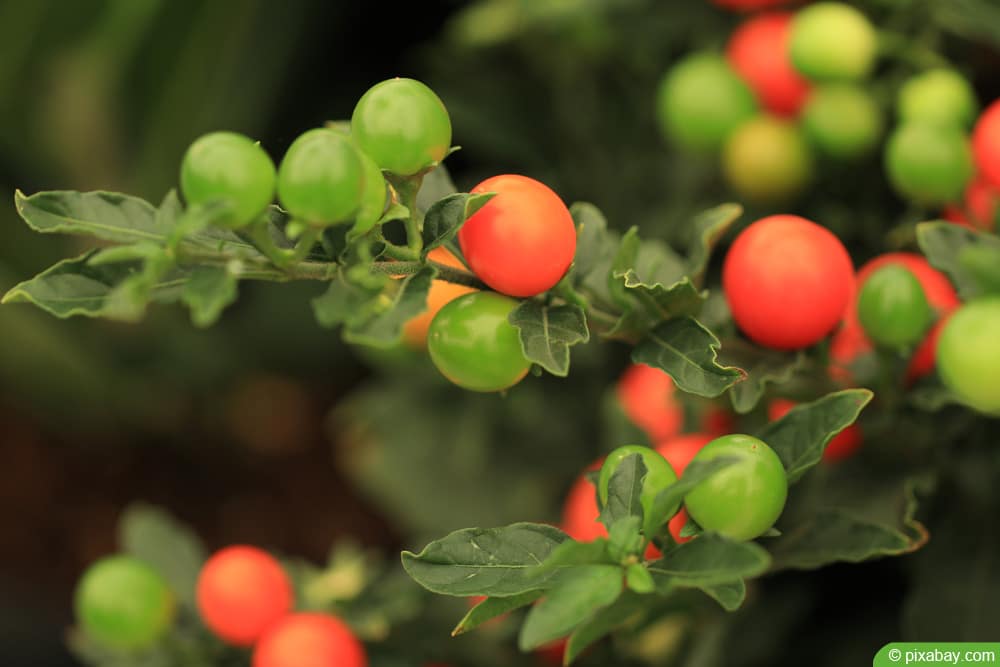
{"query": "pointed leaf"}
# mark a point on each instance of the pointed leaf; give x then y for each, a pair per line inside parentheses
(385, 328)
(492, 562)
(625, 539)
(730, 596)
(577, 596)
(687, 352)
(109, 216)
(800, 437)
(638, 579)
(762, 366)
(624, 491)
(945, 244)
(158, 539)
(447, 215)
(209, 291)
(626, 607)
(547, 333)
(592, 240)
(572, 553)
(708, 560)
(491, 608)
(709, 227)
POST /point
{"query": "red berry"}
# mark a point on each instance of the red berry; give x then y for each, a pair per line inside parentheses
(646, 394)
(758, 50)
(787, 281)
(986, 144)
(242, 591)
(309, 640)
(980, 209)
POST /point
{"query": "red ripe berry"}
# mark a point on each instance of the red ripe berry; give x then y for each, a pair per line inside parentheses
(522, 241)
(758, 50)
(842, 446)
(552, 654)
(986, 144)
(309, 640)
(787, 281)
(980, 209)
(242, 591)
(646, 394)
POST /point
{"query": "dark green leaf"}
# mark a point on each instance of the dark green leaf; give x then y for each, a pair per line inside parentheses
(729, 595)
(547, 333)
(982, 264)
(691, 528)
(437, 185)
(603, 622)
(75, 287)
(209, 291)
(687, 352)
(708, 560)
(573, 600)
(385, 327)
(762, 366)
(625, 539)
(447, 215)
(109, 216)
(709, 227)
(492, 562)
(345, 302)
(491, 608)
(800, 437)
(173, 549)
(638, 579)
(624, 490)
(572, 553)
(592, 241)
(945, 245)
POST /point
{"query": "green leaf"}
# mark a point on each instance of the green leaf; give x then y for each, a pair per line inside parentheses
(125, 253)
(687, 352)
(709, 227)
(861, 526)
(75, 287)
(730, 595)
(691, 528)
(946, 245)
(547, 333)
(109, 216)
(708, 560)
(762, 366)
(625, 539)
(447, 215)
(209, 291)
(158, 539)
(127, 301)
(592, 241)
(572, 553)
(385, 327)
(800, 437)
(628, 606)
(624, 491)
(493, 562)
(638, 579)
(345, 302)
(575, 598)
(491, 608)
(695, 473)
(169, 211)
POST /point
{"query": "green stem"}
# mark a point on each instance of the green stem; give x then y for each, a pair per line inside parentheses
(260, 236)
(406, 190)
(302, 247)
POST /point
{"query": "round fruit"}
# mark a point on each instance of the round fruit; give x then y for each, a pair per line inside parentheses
(402, 125)
(225, 166)
(659, 475)
(938, 96)
(701, 101)
(123, 604)
(758, 51)
(646, 395)
(892, 307)
(986, 144)
(242, 591)
(842, 120)
(321, 179)
(441, 292)
(980, 209)
(767, 160)
(787, 281)
(309, 640)
(522, 241)
(832, 40)
(680, 450)
(473, 345)
(930, 164)
(841, 446)
(968, 356)
(744, 500)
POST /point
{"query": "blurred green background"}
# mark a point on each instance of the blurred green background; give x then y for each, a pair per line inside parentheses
(228, 427)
